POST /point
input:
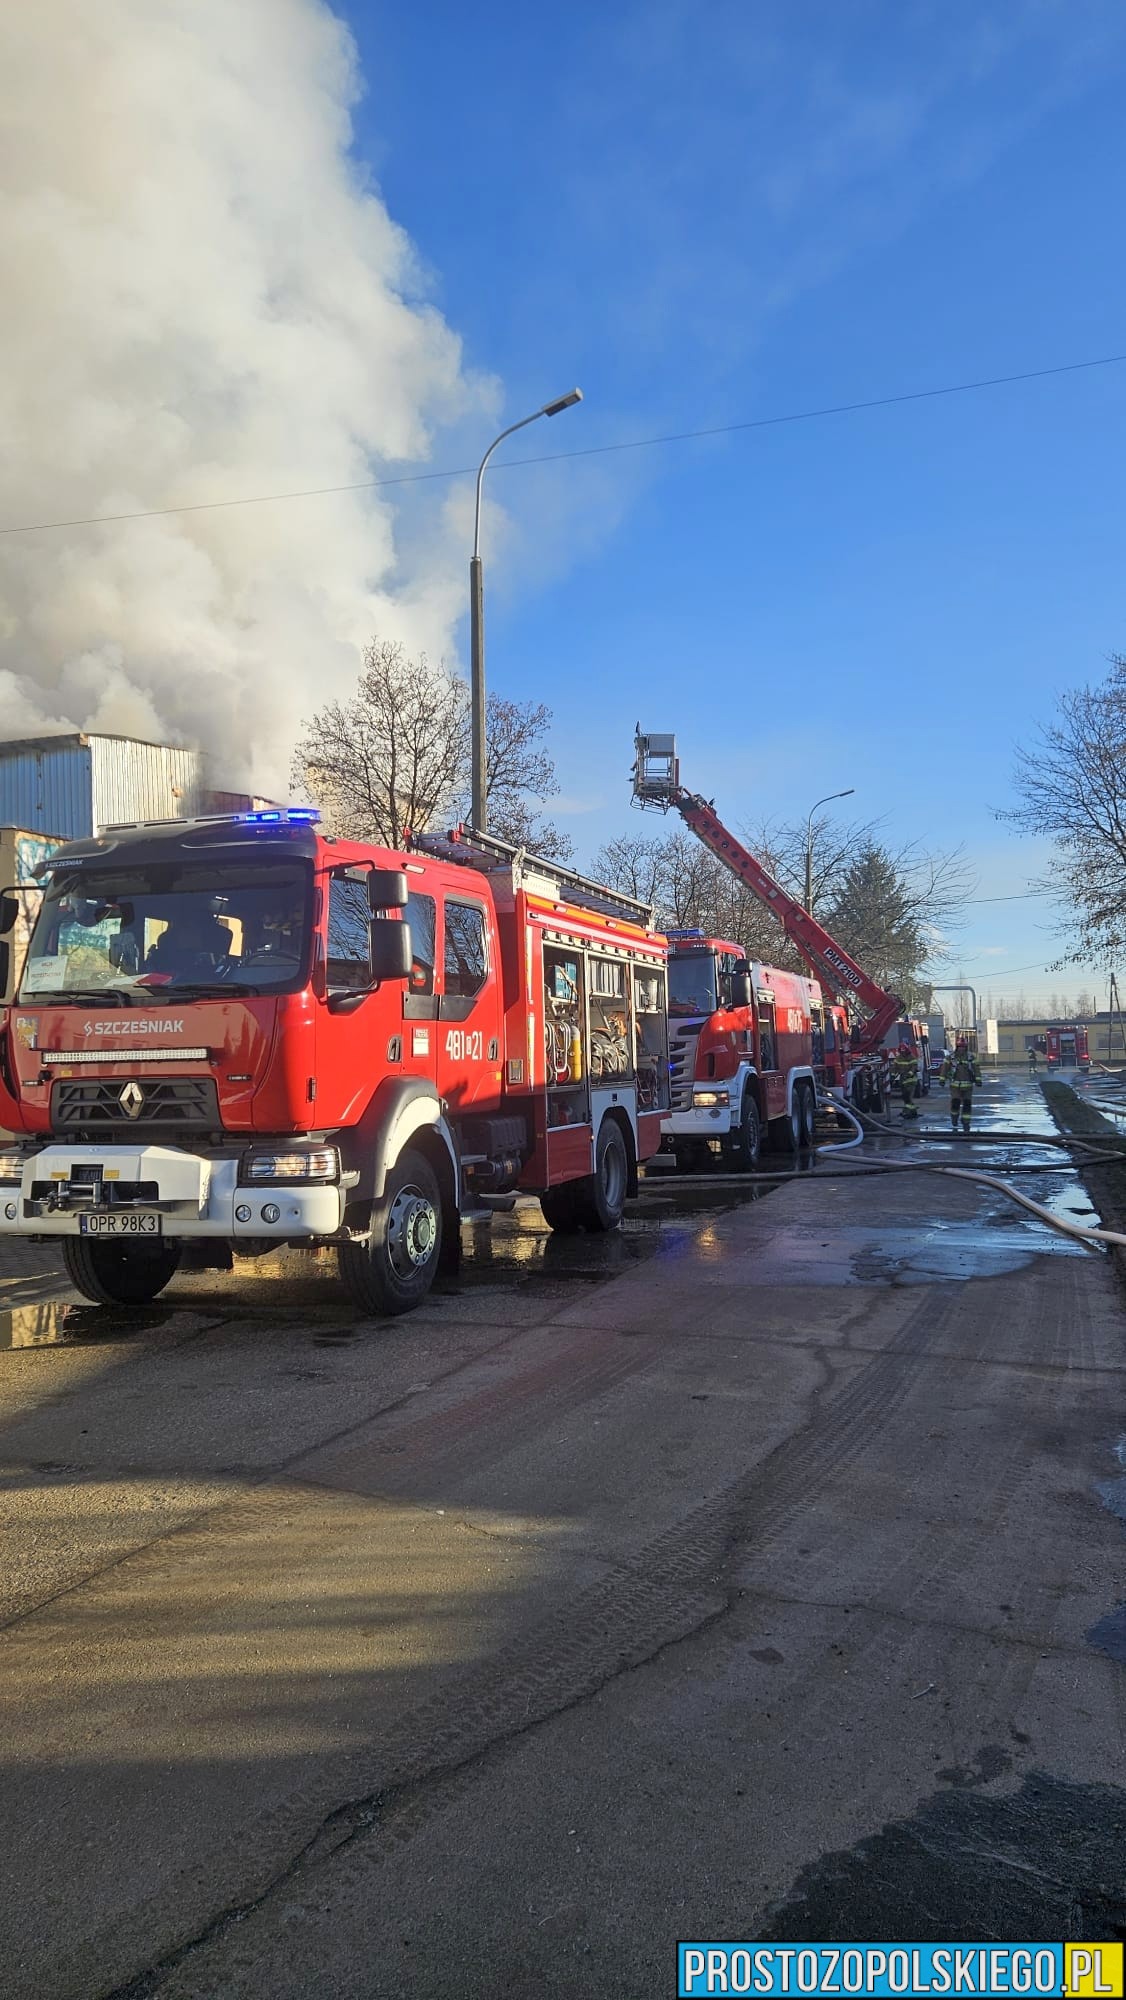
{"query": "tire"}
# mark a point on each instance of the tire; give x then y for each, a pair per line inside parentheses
(559, 1212)
(808, 1117)
(601, 1200)
(393, 1271)
(745, 1145)
(785, 1133)
(116, 1274)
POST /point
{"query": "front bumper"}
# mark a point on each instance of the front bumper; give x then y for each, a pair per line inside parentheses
(195, 1197)
(712, 1121)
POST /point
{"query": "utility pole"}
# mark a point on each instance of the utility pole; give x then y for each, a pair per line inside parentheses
(478, 809)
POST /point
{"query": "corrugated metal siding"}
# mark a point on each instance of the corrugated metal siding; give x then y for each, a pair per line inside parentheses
(47, 789)
(142, 781)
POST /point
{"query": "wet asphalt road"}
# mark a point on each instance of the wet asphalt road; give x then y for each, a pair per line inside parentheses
(756, 1573)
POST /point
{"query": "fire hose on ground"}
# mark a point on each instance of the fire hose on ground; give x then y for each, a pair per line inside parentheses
(1080, 1231)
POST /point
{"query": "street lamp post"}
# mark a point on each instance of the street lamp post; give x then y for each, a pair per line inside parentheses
(827, 800)
(477, 615)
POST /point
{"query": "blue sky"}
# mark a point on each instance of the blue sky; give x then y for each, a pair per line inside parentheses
(705, 215)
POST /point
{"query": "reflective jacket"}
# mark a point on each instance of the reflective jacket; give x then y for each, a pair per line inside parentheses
(906, 1069)
(960, 1072)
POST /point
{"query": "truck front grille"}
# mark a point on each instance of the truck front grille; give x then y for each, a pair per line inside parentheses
(97, 1105)
(682, 1065)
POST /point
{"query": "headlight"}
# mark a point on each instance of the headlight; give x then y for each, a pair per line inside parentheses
(706, 1098)
(318, 1163)
(11, 1166)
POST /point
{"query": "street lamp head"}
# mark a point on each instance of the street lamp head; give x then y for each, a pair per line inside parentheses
(564, 403)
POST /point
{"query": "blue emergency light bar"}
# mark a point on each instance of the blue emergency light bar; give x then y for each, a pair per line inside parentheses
(686, 934)
(291, 815)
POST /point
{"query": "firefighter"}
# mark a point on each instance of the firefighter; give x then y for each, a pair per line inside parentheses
(961, 1071)
(906, 1069)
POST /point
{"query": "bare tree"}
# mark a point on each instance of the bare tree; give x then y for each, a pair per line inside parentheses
(690, 889)
(396, 756)
(887, 908)
(518, 770)
(393, 757)
(1072, 786)
(931, 884)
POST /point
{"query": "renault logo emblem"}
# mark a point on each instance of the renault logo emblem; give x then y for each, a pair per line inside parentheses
(131, 1099)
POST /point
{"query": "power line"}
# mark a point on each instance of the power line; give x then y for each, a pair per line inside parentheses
(587, 451)
(1020, 896)
(998, 973)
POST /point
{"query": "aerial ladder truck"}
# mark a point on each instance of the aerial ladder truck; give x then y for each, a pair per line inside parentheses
(854, 1064)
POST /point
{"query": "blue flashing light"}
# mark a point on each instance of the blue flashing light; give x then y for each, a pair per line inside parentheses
(686, 934)
(275, 816)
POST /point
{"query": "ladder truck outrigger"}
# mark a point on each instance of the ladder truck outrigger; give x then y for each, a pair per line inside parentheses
(852, 1061)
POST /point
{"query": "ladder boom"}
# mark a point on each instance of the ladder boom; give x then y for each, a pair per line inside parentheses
(656, 783)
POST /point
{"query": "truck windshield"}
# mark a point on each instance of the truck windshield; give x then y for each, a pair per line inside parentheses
(692, 984)
(169, 927)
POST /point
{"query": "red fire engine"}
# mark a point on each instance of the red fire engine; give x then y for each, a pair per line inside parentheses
(238, 1032)
(741, 1050)
(1067, 1047)
(853, 1062)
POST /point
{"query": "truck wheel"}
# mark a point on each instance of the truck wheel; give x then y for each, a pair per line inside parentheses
(112, 1274)
(601, 1200)
(393, 1271)
(558, 1205)
(808, 1117)
(785, 1133)
(746, 1144)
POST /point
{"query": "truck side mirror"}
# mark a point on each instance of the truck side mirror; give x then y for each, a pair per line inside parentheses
(9, 911)
(387, 889)
(5, 968)
(741, 989)
(389, 950)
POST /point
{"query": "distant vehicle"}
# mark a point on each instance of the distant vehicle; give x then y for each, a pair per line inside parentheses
(1067, 1048)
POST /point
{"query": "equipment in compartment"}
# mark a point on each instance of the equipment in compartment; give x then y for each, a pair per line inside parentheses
(610, 1051)
(562, 1016)
(652, 1040)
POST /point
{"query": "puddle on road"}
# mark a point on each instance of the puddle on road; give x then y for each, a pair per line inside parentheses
(1041, 1861)
(1109, 1635)
(665, 1223)
(520, 1247)
(54, 1324)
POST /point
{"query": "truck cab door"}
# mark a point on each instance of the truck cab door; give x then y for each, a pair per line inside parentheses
(469, 1007)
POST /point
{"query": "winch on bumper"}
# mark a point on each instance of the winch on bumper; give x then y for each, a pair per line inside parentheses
(192, 1195)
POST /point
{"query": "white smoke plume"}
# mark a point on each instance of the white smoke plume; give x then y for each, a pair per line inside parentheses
(202, 300)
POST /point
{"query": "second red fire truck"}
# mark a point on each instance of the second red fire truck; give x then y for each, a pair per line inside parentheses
(742, 1044)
